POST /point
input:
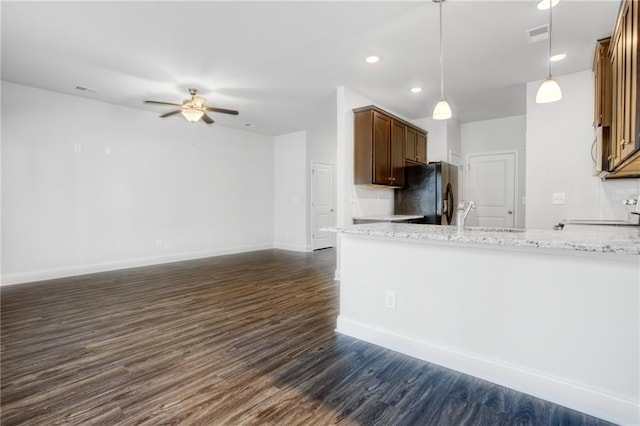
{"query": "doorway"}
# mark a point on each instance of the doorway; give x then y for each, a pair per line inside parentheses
(322, 209)
(491, 184)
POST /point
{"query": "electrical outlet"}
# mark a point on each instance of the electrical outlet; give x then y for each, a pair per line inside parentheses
(107, 150)
(158, 242)
(77, 148)
(390, 299)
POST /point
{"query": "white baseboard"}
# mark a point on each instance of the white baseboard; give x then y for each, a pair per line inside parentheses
(293, 247)
(47, 274)
(336, 276)
(538, 384)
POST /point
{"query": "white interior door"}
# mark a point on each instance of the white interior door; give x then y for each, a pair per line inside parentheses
(323, 214)
(491, 184)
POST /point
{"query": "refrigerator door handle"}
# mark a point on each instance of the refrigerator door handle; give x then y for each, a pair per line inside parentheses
(450, 201)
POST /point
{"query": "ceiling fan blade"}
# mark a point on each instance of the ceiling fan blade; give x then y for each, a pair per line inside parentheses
(170, 113)
(224, 111)
(162, 103)
(207, 119)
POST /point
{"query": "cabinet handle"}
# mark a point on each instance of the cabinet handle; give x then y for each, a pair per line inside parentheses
(610, 157)
(624, 142)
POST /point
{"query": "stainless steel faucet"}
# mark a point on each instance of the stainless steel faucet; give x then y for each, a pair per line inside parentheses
(464, 207)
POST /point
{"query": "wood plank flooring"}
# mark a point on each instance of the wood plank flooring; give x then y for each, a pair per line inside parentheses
(245, 339)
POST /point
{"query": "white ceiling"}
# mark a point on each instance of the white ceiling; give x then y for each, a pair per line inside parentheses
(276, 62)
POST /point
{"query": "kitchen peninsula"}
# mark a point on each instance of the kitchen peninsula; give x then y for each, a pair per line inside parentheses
(555, 314)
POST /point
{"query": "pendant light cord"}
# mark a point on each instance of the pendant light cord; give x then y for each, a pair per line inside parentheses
(549, 48)
(441, 55)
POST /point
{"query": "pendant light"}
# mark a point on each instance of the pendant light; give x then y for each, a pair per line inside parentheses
(550, 90)
(442, 111)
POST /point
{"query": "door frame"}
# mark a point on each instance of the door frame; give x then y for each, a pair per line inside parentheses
(516, 173)
(312, 216)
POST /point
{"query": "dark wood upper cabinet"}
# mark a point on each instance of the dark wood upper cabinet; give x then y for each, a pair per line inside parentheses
(416, 146)
(381, 150)
(421, 148)
(381, 141)
(410, 145)
(398, 135)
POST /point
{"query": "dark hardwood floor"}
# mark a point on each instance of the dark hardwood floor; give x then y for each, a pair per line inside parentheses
(232, 340)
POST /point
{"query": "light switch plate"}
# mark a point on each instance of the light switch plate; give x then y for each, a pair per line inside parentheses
(390, 299)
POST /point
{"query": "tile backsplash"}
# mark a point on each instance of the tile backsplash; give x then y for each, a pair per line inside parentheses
(612, 194)
(371, 201)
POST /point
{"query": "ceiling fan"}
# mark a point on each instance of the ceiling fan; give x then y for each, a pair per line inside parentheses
(193, 109)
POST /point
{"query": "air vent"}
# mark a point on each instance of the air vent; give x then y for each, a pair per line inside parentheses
(538, 34)
(86, 89)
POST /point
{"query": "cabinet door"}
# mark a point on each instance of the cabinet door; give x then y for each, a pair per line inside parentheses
(398, 134)
(381, 149)
(628, 143)
(603, 95)
(617, 107)
(421, 148)
(410, 144)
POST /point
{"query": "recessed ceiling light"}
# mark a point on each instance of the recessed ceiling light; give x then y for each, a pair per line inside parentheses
(416, 89)
(372, 59)
(558, 57)
(544, 4)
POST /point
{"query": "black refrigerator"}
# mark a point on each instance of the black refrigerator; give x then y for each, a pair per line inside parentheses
(430, 191)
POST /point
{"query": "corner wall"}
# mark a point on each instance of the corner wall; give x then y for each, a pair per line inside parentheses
(290, 192)
(168, 190)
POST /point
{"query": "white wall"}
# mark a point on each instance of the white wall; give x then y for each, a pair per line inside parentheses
(558, 144)
(557, 324)
(454, 137)
(200, 190)
(502, 134)
(290, 192)
(322, 148)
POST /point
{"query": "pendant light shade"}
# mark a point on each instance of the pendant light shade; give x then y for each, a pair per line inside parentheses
(192, 114)
(550, 90)
(442, 111)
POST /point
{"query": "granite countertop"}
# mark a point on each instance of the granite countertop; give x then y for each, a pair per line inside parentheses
(389, 218)
(621, 240)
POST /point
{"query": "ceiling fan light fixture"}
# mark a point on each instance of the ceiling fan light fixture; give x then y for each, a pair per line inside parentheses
(442, 111)
(192, 114)
(198, 101)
